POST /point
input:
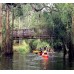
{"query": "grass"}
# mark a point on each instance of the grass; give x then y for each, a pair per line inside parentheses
(22, 48)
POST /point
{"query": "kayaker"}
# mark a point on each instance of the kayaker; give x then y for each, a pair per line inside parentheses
(45, 55)
(40, 51)
(45, 51)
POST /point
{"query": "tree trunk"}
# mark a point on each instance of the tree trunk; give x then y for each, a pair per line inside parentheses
(12, 28)
(8, 41)
(19, 28)
(0, 26)
(71, 50)
(72, 27)
(4, 32)
(64, 48)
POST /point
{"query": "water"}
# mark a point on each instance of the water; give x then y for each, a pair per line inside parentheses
(35, 62)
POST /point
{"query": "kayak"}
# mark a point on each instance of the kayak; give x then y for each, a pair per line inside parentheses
(45, 55)
(36, 51)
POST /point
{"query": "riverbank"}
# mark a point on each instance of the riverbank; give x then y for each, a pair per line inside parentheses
(23, 47)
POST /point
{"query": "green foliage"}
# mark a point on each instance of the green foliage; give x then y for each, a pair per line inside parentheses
(22, 48)
(37, 44)
(18, 11)
(42, 44)
(58, 21)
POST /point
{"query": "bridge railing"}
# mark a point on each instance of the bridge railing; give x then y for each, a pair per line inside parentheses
(23, 33)
(28, 33)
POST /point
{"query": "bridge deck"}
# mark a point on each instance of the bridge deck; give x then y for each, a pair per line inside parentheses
(28, 34)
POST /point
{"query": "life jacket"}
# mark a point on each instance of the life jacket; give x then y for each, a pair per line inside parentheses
(40, 52)
(45, 52)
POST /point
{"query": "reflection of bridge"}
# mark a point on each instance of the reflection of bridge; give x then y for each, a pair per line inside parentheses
(28, 34)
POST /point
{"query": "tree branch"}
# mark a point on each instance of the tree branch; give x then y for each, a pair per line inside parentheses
(36, 9)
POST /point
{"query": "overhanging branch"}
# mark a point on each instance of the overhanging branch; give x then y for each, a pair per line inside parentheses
(36, 9)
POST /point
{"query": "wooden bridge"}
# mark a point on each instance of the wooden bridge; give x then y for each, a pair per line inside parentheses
(29, 34)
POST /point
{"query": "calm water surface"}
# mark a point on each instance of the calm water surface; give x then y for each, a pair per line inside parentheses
(35, 62)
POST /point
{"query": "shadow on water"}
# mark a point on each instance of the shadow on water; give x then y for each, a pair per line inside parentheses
(64, 63)
(68, 64)
(6, 63)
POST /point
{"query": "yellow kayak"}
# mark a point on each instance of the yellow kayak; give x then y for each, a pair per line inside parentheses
(36, 51)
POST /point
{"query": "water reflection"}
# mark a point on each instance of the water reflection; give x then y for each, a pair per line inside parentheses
(45, 63)
(35, 62)
(70, 63)
(19, 61)
(6, 63)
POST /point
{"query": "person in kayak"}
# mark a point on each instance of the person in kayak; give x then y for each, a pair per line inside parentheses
(45, 52)
(40, 53)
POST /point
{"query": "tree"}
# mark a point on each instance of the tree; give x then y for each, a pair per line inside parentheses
(0, 26)
(8, 49)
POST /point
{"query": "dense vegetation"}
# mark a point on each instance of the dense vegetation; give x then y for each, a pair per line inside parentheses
(56, 19)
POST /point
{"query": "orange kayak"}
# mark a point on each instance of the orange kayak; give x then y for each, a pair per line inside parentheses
(45, 56)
